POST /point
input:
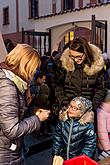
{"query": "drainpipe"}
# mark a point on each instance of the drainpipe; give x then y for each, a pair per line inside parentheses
(17, 20)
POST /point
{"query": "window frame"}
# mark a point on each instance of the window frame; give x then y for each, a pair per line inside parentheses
(33, 8)
(6, 15)
(68, 4)
(53, 6)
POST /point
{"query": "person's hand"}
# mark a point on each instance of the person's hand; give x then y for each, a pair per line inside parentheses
(57, 160)
(43, 115)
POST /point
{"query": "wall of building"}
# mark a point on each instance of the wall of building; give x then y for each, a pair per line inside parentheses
(24, 20)
(58, 6)
(11, 27)
(85, 2)
(15, 37)
(45, 7)
(60, 23)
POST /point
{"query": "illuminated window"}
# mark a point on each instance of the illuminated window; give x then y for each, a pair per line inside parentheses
(69, 37)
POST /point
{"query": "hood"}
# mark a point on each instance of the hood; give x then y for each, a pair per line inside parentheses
(88, 117)
(21, 84)
(96, 66)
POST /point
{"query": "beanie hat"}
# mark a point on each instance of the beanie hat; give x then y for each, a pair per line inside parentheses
(83, 104)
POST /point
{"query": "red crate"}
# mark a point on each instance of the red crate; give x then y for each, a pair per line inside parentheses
(80, 160)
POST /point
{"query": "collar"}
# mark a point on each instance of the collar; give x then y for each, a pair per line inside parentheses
(79, 66)
(96, 66)
(21, 84)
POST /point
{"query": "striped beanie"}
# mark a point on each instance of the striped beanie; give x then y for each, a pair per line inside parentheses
(83, 104)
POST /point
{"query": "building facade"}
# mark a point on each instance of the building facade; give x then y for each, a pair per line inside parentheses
(65, 18)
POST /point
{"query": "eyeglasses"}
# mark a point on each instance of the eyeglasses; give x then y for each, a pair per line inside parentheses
(78, 57)
(74, 108)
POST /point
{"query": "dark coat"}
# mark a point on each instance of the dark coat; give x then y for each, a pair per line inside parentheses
(13, 125)
(80, 80)
(74, 137)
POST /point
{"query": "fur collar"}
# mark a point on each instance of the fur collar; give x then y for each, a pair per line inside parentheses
(88, 117)
(96, 66)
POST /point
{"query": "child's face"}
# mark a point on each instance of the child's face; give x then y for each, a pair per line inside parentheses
(73, 110)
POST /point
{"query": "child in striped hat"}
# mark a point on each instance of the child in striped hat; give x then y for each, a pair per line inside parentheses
(75, 135)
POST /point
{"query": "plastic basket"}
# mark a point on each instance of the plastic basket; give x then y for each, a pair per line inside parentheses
(80, 160)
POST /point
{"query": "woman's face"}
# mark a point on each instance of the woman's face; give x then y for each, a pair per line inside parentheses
(73, 110)
(77, 56)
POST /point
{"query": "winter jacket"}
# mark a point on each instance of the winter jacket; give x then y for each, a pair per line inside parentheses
(103, 126)
(107, 79)
(75, 137)
(13, 125)
(80, 80)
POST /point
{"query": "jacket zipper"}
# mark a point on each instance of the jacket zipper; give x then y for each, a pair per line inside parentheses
(69, 138)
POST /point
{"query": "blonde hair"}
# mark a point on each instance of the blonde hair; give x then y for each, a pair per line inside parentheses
(23, 60)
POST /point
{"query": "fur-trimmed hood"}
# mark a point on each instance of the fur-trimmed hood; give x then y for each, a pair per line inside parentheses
(88, 117)
(96, 66)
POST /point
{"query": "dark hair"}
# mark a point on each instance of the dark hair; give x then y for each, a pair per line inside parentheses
(54, 53)
(67, 45)
(39, 74)
(81, 45)
(9, 45)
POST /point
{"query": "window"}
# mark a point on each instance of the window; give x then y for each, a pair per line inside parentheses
(33, 8)
(93, 1)
(80, 3)
(68, 37)
(54, 6)
(102, 1)
(68, 4)
(5, 15)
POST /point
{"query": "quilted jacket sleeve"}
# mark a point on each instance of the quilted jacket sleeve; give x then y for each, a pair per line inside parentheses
(57, 142)
(10, 124)
(100, 90)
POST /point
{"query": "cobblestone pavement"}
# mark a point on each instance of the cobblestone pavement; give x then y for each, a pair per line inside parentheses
(39, 149)
(42, 158)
